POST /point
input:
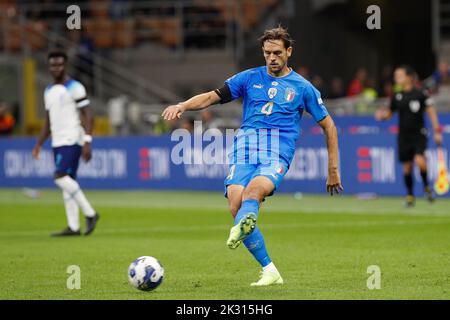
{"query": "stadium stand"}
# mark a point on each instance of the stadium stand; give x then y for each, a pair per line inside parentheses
(124, 45)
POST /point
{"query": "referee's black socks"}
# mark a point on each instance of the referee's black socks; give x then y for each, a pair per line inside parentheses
(424, 175)
(409, 183)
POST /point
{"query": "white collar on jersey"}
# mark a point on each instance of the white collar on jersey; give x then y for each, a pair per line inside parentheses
(290, 71)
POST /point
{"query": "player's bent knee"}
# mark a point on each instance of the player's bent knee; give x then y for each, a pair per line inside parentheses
(255, 193)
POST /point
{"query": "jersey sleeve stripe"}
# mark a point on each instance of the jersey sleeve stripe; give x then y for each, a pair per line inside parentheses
(81, 99)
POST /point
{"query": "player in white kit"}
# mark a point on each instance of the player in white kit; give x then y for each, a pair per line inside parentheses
(69, 121)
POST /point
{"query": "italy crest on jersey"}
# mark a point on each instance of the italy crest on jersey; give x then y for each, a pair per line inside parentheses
(280, 170)
(290, 94)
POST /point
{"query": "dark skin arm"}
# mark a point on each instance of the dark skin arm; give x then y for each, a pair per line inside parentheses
(87, 121)
(334, 184)
(43, 136)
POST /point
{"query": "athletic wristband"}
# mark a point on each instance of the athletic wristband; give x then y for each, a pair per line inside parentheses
(87, 138)
(438, 130)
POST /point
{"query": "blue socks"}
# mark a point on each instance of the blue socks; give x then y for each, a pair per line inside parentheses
(254, 242)
(247, 206)
(257, 247)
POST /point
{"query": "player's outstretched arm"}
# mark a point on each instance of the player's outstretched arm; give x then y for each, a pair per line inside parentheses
(45, 133)
(197, 102)
(334, 184)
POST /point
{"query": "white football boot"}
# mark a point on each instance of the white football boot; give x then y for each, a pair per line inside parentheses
(241, 231)
(268, 278)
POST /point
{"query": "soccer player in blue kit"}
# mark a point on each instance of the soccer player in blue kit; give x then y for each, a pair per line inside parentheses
(274, 98)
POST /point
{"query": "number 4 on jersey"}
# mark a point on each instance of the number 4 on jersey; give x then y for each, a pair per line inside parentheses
(267, 108)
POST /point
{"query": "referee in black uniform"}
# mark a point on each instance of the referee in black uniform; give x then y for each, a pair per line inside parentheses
(411, 104)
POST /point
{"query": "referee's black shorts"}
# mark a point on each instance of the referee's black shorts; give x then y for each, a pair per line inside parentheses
(411, 145)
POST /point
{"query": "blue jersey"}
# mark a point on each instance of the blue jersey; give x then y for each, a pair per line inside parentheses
(274, 103)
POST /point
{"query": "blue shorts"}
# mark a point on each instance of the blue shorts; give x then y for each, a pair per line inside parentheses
(67, 159)
(242, 174)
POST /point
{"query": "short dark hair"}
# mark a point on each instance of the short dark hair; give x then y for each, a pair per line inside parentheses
(278, 33)
(410, 72)
(57, 54)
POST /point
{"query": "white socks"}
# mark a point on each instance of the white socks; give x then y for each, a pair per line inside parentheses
(270, 268)
(72, 212)
(72, 188)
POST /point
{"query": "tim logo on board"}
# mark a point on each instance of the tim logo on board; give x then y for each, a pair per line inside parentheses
(376, 164)
(154, 164)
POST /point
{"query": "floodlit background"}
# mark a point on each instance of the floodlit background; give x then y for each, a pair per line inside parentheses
(137, 56)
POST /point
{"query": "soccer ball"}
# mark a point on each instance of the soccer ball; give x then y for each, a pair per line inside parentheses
(145, 273)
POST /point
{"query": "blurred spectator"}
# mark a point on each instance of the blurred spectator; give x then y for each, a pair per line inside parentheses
(441, 76)
(7, 121)
(164, 127)
(208, 121)
(388, 90)
(369, 92)
(337, 89)
(416, 81)
(304, 72)
(116, 113)
(134, 118)
(188, 124)
(385, 83)
(317, 82)
(357, 84)
(367, 96)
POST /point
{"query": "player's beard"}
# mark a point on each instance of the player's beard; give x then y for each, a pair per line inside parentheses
(276, 69)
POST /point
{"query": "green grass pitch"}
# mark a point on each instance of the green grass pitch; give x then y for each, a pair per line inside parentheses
(322, 245)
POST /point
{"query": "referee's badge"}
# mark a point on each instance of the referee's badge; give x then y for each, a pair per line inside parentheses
(272, 92)
(290, 94)
(414, 106)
